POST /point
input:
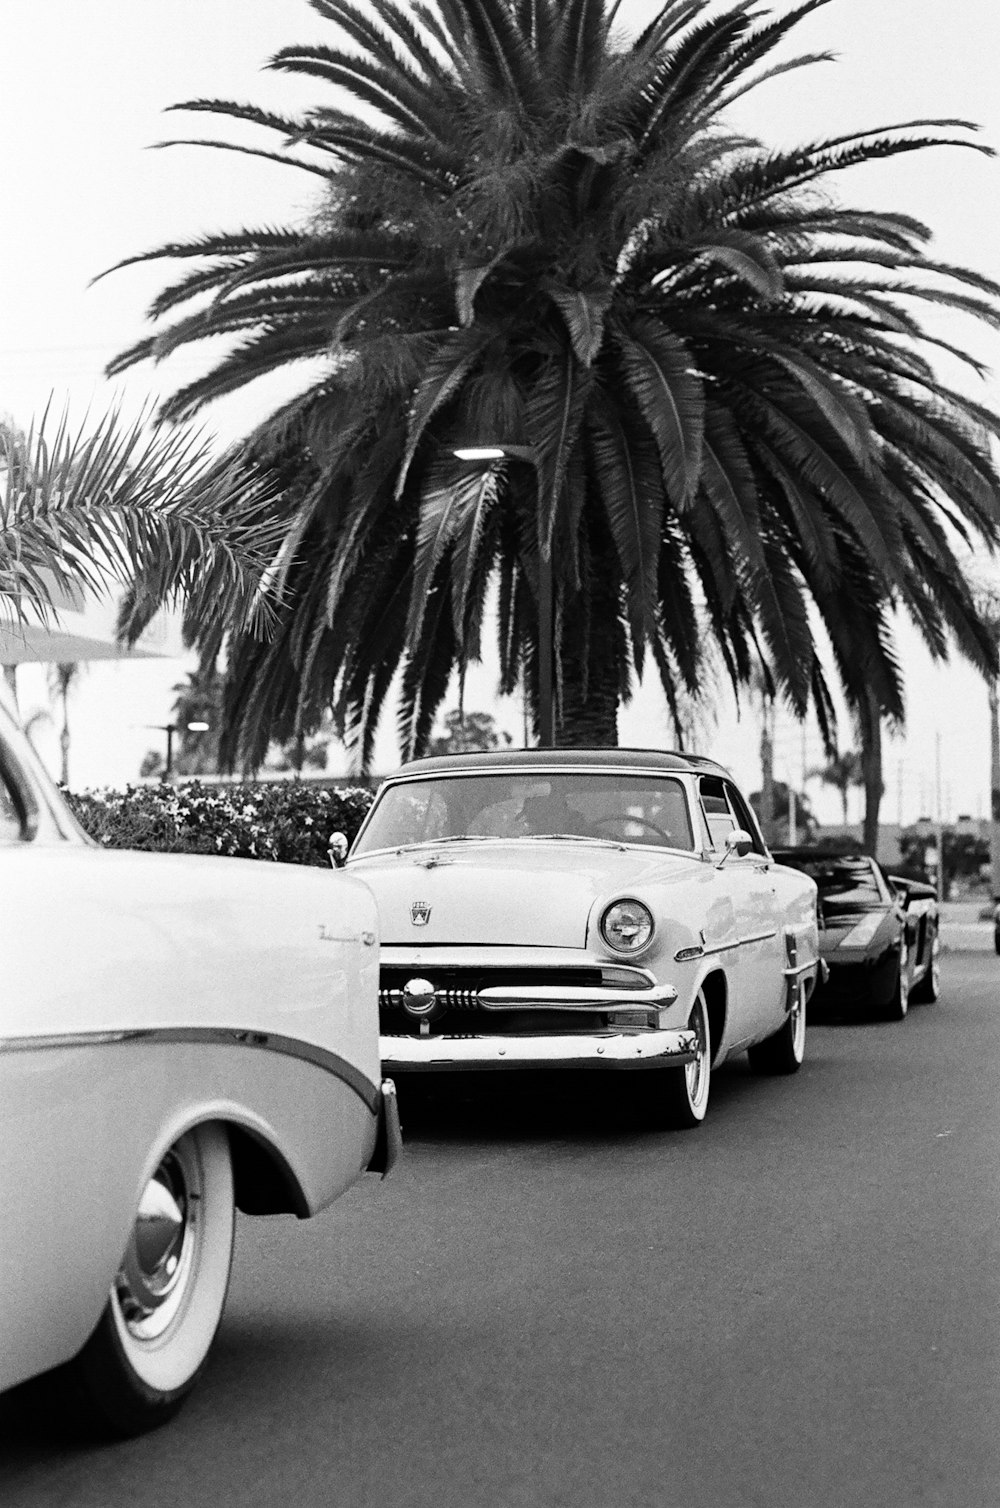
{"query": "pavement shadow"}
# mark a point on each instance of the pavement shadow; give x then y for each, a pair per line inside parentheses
(577, 1105)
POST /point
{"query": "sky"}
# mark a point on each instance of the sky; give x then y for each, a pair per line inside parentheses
(83, 89)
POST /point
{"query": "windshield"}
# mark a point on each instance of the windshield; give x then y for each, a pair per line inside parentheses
(844, 884)
(646, 809)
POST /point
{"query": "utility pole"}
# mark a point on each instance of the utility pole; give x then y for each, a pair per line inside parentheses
(940, 824)
(767, 769)
(994, 793)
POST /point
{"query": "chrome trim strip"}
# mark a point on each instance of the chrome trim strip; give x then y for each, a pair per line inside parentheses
(636, 1050)
(572, 997)
(216, 1036)
(739, 942)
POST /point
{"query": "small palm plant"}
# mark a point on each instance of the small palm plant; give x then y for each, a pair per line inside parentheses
(118, 504)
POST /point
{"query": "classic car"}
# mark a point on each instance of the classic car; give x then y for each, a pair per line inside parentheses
(179, 1036)
(878, 933)
(607, 909)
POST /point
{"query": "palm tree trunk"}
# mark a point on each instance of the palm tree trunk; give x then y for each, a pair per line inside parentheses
(590, 653)
(587, 710)
(64, 740)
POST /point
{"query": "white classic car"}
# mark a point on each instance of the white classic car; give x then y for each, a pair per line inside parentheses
(178, 1036)
(607, 909)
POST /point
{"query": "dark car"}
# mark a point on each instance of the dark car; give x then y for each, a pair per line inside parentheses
(878, 933)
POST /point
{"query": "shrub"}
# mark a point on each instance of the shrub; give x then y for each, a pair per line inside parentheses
(289, 822)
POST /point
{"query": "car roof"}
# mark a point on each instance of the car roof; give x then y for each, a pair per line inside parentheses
(659, 760)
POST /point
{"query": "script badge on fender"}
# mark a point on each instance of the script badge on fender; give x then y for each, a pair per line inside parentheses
(420, 913)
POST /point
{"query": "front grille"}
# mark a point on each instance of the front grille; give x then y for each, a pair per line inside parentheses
(459, 1008)
(464, 981)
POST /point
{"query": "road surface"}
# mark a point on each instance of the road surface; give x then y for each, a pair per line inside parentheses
(797, 1304)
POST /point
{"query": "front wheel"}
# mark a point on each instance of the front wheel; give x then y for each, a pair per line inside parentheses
(166, 1302)
(678, 1097)
(784, 1051)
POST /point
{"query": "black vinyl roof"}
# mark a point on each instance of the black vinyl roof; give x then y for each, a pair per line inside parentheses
(599, 759)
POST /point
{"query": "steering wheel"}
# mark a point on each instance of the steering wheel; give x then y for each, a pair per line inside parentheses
(622, 821)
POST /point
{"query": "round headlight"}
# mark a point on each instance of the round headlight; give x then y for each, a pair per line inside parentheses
(627, 926)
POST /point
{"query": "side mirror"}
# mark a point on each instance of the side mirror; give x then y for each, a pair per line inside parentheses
(738, 842)
(337, 849)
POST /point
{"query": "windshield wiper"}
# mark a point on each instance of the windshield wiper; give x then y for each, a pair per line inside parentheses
(569, 838)
(452, 838)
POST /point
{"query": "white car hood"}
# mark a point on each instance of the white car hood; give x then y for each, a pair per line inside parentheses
(528, 893)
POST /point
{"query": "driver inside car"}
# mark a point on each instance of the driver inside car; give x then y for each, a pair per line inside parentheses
(550, 815)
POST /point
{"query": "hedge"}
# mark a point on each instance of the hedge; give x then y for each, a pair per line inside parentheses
(289, 822)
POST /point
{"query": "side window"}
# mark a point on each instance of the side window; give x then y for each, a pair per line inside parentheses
(717, 811)
(14, 824)
(745, 817)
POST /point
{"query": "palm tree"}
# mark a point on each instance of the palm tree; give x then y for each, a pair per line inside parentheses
(715, 405)
(61, 680)
(842, 771)
(198, 699)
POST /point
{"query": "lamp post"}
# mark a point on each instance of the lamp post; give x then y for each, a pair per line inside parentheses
(170, 729)
(546, 648)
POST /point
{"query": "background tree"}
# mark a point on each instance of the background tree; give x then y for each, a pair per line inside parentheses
(806, 826)
(719, 413)
(468, 733)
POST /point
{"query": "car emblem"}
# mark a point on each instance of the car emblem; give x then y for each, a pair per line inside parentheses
(420, 913)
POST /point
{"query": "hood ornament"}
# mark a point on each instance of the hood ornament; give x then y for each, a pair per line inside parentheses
(420, 913)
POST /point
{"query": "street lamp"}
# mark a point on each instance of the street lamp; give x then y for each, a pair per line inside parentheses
(170, 729)
(546, 648)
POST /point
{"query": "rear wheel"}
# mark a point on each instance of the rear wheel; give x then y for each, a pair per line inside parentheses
(784, 1051)
(154, 1336)
(929, 988)
(899, 1000)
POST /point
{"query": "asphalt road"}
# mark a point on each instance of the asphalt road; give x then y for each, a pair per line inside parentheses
(798, 1304)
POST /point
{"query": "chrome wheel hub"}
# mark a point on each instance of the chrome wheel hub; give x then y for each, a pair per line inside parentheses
(696, 1071)
(151, 1281)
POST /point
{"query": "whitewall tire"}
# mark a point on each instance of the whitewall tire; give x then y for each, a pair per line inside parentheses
(678, 1097)
(166, 1302)
(785, 1050)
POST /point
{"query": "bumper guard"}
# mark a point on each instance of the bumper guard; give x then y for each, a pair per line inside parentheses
(388, 1138)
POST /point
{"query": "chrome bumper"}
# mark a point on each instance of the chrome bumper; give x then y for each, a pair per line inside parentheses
(631, 1050)
(388, 1138)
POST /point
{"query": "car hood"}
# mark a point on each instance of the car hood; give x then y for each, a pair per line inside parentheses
(532, 893)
